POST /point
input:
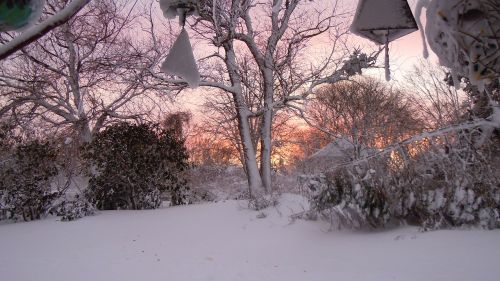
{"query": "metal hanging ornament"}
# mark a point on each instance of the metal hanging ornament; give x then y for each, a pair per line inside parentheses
(17, 15)
(180, 60)
(383, 21)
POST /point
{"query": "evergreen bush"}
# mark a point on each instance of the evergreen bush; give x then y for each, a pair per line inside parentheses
(26, 172)
(133, 165)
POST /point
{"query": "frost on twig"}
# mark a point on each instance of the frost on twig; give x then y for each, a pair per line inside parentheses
(354, 65)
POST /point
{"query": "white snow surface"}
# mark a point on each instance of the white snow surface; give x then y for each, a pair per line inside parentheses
(227, 242)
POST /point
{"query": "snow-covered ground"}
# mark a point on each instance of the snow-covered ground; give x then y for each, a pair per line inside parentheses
(226, 242)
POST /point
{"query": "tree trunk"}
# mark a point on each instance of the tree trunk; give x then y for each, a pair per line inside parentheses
(85, 133)
(249, 152)
(250, 159)
(266, 130)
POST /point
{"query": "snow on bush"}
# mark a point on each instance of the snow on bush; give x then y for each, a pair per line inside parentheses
(74, 209)
(349, 199)
(464, 35)
(445, 181)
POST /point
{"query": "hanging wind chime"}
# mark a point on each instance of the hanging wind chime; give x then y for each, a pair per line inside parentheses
(180, 61)
(17, 15)
(383, 21)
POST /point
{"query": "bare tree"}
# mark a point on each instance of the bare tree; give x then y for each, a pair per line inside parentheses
(365, 112)
(277, 45)
(205, 150)
(83, 75)
(439, 103)
(220, 124)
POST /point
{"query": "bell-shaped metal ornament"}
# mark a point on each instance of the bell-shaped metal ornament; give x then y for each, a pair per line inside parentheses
(383, 21)
(180, 60)
(181, 8)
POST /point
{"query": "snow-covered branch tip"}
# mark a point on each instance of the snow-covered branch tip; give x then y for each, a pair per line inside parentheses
(354, 65)
(469, 125)
(359, 61)
(38, 31)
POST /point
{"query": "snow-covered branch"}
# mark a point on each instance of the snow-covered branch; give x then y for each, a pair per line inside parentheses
(480, 123)
(38, 31)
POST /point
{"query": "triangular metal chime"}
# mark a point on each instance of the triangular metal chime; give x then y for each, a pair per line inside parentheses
(180, 61)
(383, 21)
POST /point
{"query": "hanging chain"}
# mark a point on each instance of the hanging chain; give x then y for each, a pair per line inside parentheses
(182, 12)
(387, 66)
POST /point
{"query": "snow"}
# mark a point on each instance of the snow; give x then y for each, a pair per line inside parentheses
(386, 63)
(334, 149)
(226, 242)
(496, 116)
(181, 62)
(37, 7)
(462, 34)
(37, 10)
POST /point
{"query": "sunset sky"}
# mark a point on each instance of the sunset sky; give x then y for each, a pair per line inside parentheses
(404, 54)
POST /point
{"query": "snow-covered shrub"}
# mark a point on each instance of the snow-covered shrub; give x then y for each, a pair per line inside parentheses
(134, 165)
(74, 209)
(444, 181)
(452, 185)
(350, 196)
(264, 201)
(26, 172)
(463, 34)
(209, 182)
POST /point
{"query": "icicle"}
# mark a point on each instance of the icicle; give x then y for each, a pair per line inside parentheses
(418, 11)
(456, 80)
(387, 66)
(182, 16)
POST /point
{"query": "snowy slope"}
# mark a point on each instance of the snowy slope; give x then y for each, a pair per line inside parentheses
(226, 242)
